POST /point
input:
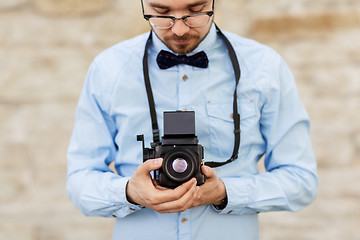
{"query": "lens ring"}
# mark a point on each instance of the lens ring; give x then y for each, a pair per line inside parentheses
(179, 153)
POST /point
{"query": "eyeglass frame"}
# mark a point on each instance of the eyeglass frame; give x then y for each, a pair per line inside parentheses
(173, 19)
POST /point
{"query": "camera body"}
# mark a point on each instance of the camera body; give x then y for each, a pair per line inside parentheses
(183, 155)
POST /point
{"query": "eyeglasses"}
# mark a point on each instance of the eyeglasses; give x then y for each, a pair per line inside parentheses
(193, 20)
(166, 22)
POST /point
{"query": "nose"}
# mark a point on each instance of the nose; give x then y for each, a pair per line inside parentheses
(180, 28)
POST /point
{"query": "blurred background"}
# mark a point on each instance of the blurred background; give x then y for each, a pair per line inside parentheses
(46, 47)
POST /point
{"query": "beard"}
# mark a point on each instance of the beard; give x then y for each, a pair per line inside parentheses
(182, 49)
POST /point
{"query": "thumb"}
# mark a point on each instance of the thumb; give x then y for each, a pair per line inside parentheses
(152, 164)
(207, 171)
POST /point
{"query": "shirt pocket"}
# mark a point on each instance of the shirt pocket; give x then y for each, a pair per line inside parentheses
(221, 125)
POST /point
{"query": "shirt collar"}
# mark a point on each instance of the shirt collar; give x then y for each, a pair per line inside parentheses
(205, 45)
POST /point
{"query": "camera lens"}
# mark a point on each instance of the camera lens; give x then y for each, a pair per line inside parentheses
(179, 165)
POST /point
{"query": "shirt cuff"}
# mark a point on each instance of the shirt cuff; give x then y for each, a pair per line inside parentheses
(237, 190)
(125, 208)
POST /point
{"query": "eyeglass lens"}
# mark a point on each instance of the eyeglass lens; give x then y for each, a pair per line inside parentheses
(191, 21)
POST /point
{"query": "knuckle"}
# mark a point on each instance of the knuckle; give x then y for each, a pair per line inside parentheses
(151, 200)
(178, 195)
(182, 209)
(191, 204)
(178, 206)
(158, 209)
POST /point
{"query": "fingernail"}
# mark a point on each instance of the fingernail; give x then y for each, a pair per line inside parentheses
(157, 161)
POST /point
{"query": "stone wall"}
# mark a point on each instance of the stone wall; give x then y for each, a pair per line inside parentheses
(46, 47)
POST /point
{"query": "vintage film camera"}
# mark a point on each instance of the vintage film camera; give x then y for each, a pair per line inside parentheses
(183, 156)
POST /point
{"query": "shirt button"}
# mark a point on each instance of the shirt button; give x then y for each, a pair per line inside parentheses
(184, 220)
(185, 109)
(185, 77)
(114, 216)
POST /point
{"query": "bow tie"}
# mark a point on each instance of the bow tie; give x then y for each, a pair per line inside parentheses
(167, 60)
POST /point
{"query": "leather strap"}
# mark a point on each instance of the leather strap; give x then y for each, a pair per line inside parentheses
(236, 115)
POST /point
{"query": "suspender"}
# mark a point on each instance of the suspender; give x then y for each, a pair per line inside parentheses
(236, 116)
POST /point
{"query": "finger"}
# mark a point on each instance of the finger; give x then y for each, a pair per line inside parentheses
(160, 187)
(150, 165)
(197, 197)
(157, 186)
(169, 195)
(180, 205)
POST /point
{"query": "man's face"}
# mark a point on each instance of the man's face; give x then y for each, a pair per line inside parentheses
(180, 38)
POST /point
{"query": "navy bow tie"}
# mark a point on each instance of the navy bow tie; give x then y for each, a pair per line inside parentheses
(167, 60)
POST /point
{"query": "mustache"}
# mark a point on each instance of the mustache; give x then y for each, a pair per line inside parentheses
(182, 38)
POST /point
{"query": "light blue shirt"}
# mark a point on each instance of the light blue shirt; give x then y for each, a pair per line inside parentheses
(113, 109)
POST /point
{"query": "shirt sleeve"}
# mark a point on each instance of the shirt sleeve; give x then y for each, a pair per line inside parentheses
(290, 181)
(91, 185)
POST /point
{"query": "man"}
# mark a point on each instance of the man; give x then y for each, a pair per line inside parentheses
(113, 109)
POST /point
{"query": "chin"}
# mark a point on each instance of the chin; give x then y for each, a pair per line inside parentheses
(182, 50)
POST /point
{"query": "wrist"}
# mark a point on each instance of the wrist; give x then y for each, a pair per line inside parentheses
(128, 197)
(222, 204)
(222, 196)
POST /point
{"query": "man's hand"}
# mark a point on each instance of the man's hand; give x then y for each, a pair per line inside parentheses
(212, 191)
(141, 190)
